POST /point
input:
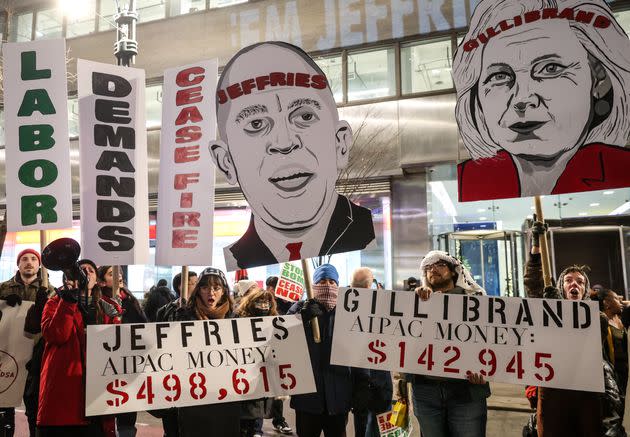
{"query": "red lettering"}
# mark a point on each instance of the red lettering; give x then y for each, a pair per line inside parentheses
(277, 79)
(182, 180)
(234, 91)
(186, 154)
(532, 16)
(584, 17)
(567, 14)
(518, 21)
(188, 134)
(504, 25)
(470, 45)
(491, 32)
(189, 113)
(302, 80)
(262, 82)
(290, 79)
(482, 38)
(221, 97)
(318, 82)
(550, 13)
(601, 22)
(184, 77)
(184, 238)
(183, 218)
(185, 200)
(188, 95)
(248, 85)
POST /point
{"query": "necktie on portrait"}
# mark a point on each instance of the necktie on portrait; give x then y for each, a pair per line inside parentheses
(294, 251)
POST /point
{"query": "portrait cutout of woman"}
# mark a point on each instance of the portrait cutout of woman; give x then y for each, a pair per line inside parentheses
(543, 93)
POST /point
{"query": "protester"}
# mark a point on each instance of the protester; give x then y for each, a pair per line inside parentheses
(337, 390)
(257, 303)
(561, 412)
(156, 298)
(62, 394)
(27, 285)
(412, 283)
(167, 312)
(241, 288)
(209, 300)
(445, 406)
(283, 305)
(379, 381)
(610, 303)
(131, 313)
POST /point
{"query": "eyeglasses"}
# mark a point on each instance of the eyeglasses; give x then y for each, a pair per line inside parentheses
(438, 265)
(214, 288)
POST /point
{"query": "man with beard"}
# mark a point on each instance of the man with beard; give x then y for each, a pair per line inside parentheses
(27, 285)
(444, 406)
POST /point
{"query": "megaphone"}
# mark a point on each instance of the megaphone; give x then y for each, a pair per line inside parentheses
(62, 255)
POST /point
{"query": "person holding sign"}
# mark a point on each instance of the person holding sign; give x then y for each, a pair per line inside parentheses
(542, 99)
(209, 300)
(561, 412)
(449, 407)
(339, 388)
(27, 285)
(282, 141)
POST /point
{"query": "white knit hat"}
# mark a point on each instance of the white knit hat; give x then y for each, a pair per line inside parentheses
(241, 287)
(464, 278)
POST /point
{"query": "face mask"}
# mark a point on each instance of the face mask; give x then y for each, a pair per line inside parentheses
(262, 308)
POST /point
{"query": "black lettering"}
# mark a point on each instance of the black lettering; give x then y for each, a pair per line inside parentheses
(109, 348)
(283, 332)
(113, 211)
(112, 111)
(185, 333)
(355, 303)
(115, 234)
(110, 159)
(159, 335)
(123, 187)
(105, 135)
(256, 330)
(109, 85)
(135, 337)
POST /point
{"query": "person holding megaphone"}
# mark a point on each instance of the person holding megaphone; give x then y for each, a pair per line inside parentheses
(61, 409)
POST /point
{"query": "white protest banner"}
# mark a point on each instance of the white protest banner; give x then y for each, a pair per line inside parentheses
(160, 365)
(15, 351)
(290, 283)
(114, 182)
(39, 190)
(542, 342)
(186, 188)
(386, 429)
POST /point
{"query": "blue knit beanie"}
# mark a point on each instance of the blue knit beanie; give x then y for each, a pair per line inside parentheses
(326, 271)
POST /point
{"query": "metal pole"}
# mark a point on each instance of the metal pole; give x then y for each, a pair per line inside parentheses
(309, 293)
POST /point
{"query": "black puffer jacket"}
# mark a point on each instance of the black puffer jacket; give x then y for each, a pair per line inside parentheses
(612, 405)
(156, 298)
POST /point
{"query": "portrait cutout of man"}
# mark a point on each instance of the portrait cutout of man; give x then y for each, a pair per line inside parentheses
(283, 143)
(542, 99)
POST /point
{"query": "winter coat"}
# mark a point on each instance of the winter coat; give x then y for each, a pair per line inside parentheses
(156, 298)
(612, 405)
(210, 420)
(15, 285)
(336, 393)
(132, 313)
(62, 390)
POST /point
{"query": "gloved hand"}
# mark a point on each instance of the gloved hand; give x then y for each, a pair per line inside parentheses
(33, 321)
(70, 295)
(12, 299)
(311, 309)
(538, 229)
(551, 292)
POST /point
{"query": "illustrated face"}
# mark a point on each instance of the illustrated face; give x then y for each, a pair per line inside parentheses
(28, 265)
(574, 286)
(285, 144)
(535, 89)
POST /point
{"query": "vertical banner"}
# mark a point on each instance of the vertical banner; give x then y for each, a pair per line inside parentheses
(113, 145)
(15, 351)
(186, 189)
(38, 182)
(290, 283)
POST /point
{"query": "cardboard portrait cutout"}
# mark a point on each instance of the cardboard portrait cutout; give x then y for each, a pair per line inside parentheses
(283, 143)
(542, 99)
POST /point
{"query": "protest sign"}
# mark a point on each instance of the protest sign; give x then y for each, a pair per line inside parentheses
(386, 429)
(290, 283)
(542, 103)
(543, 342)
(15, 351)
(186, 187)
(113, 146)
(147, 366)
(38, 179)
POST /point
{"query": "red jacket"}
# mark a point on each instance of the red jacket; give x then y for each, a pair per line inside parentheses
(62, 387)
(594, 167)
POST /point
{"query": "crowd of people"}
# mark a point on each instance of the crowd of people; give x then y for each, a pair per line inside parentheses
(57, 321)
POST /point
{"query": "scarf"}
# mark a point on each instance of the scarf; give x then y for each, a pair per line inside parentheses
(326, 295)
(203, 312)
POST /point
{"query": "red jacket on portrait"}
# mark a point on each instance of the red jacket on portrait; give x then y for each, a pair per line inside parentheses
(594, 167)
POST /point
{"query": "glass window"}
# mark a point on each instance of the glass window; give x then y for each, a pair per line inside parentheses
(73, 117)
(371, 74)
(22, 28)
(179, 7)
(332, 68)
(222, 3)
(149, 10)
(623, 18)
(153, 98)
(48, 24)
(106, 15)
(426, 66)
(81, 18)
